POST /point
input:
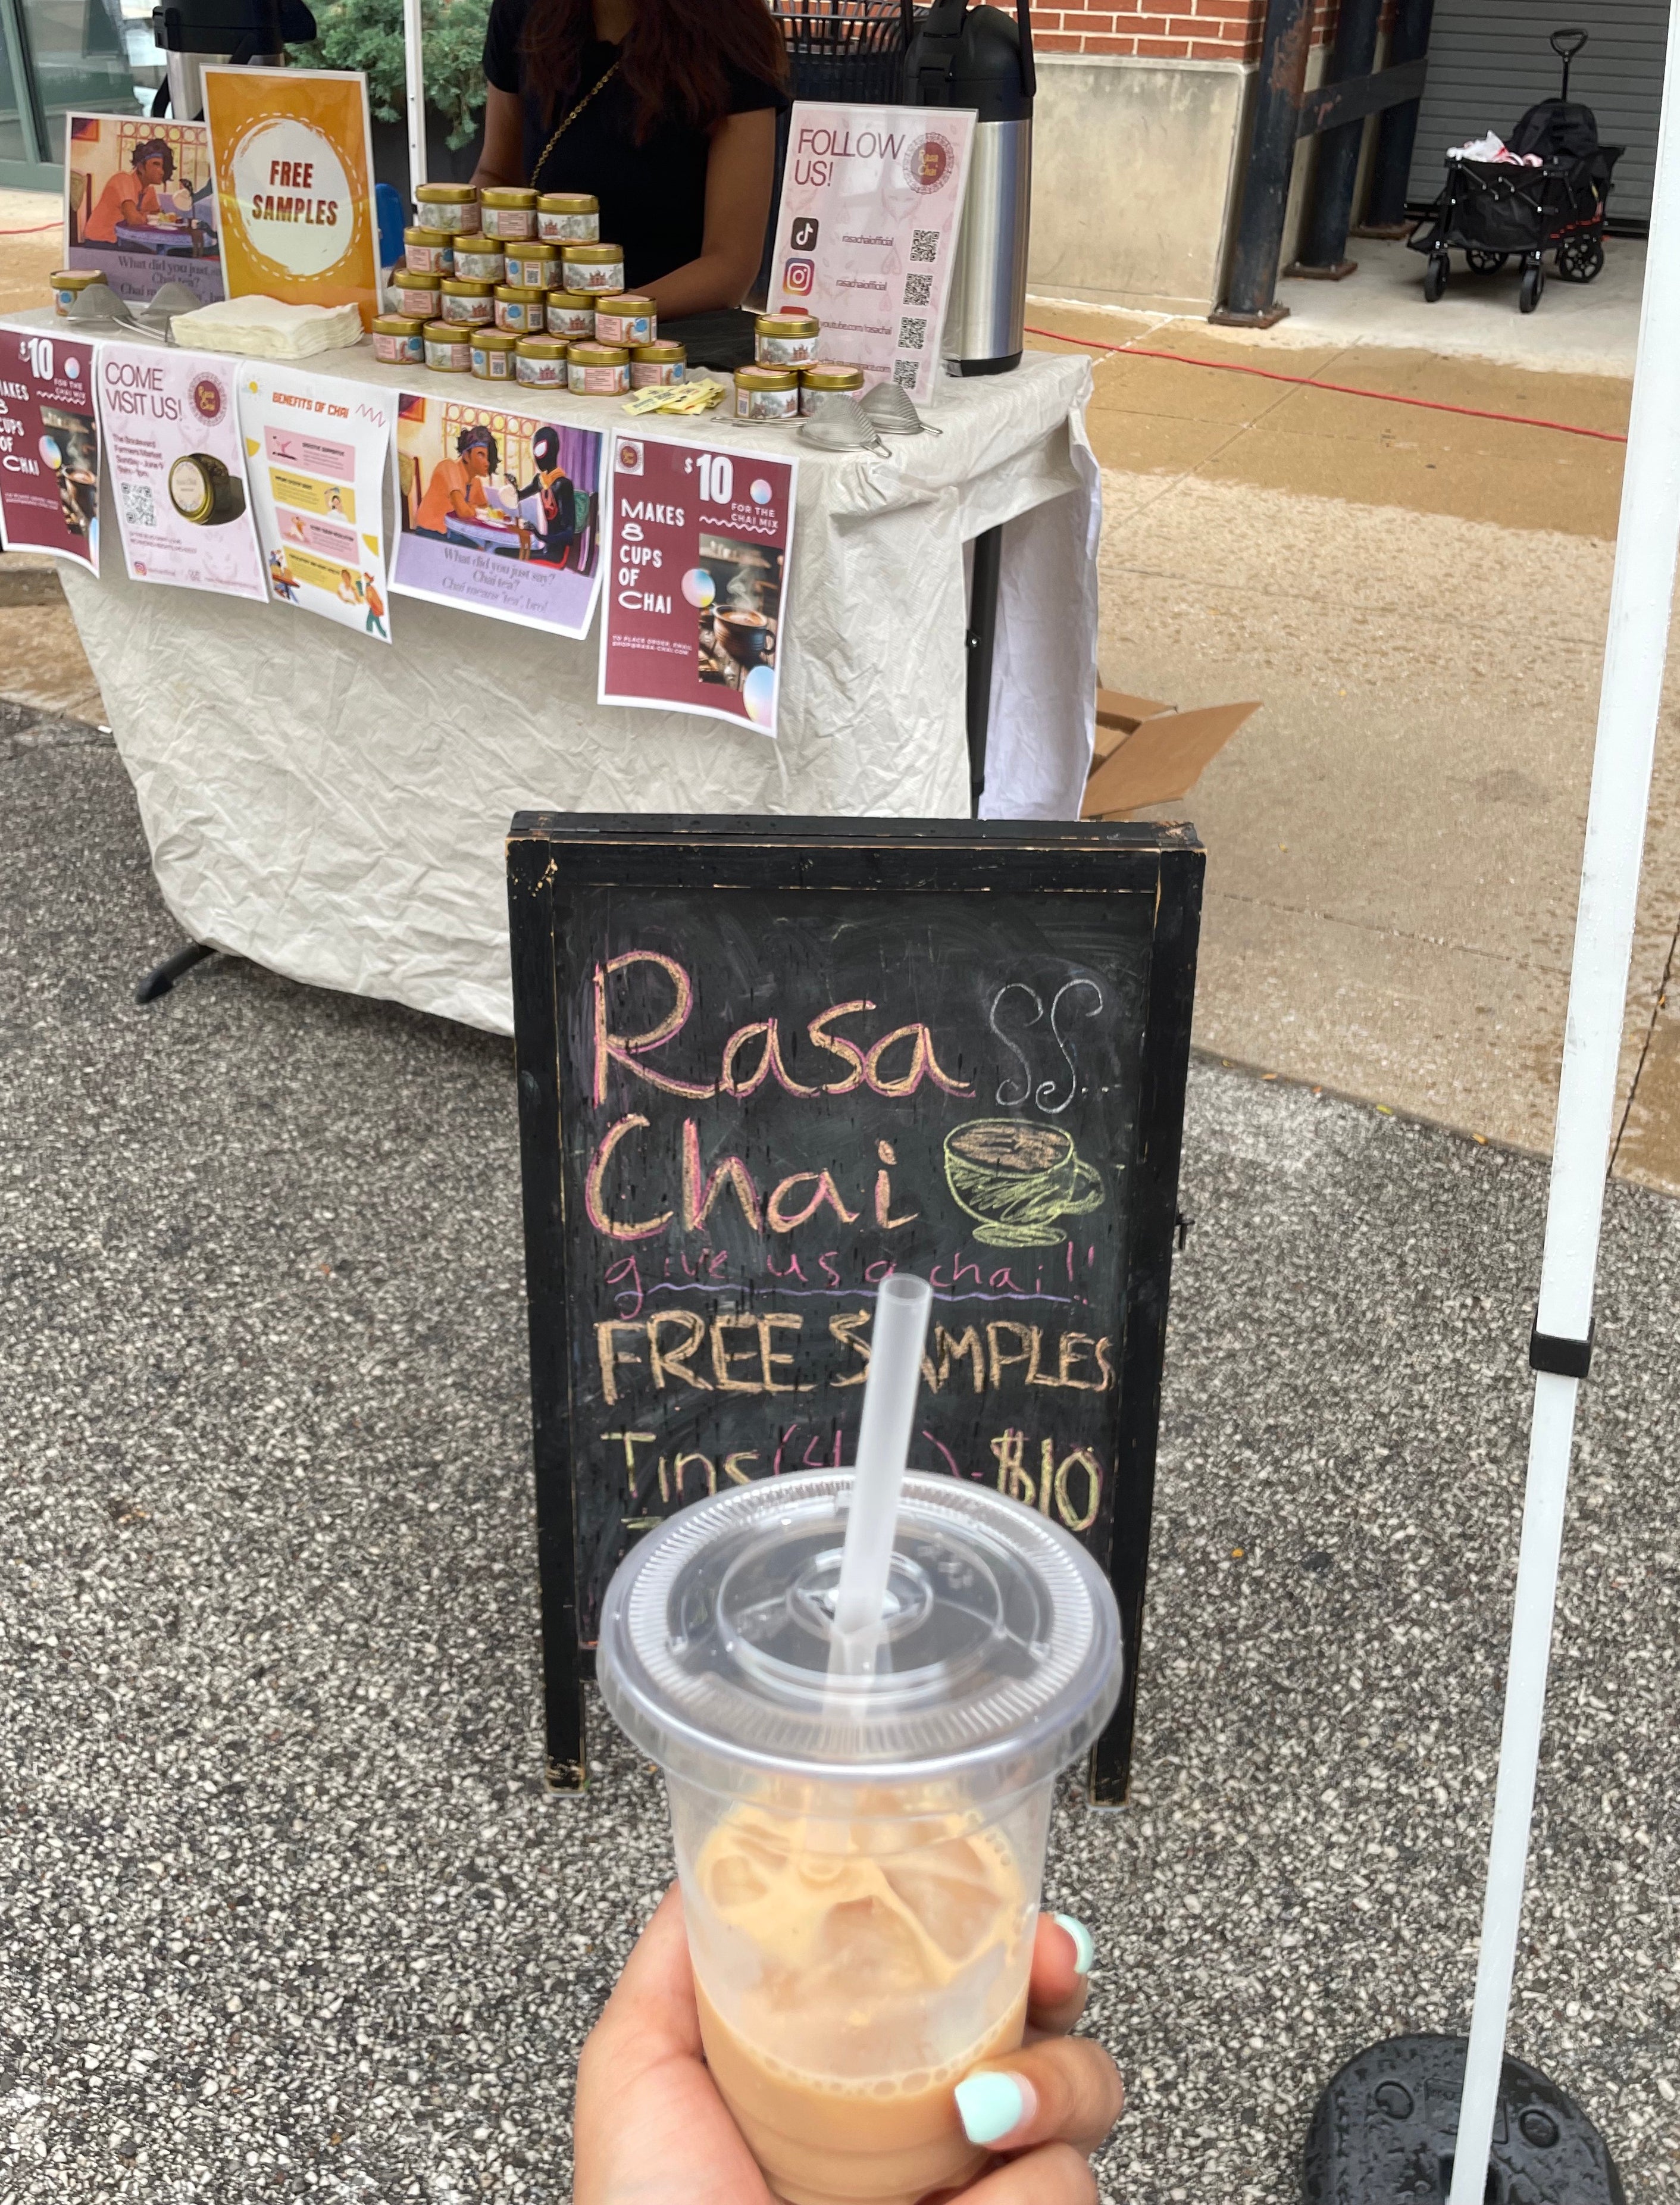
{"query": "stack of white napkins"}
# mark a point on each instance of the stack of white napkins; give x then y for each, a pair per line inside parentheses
(267, 328)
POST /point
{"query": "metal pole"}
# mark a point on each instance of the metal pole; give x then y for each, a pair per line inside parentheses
(1397, 129)
(982, 629)
(413, 42)
(1323, 248)
(1640, 597)
(1248, 299)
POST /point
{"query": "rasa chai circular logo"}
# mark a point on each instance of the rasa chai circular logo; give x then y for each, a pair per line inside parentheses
(210, 400)
(929, 160)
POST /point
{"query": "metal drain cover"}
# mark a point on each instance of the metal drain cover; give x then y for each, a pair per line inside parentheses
(1383, 2134)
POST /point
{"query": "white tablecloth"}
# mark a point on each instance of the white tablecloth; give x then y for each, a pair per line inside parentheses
(336, 810)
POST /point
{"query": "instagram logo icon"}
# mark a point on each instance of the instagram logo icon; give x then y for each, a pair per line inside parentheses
(798, 277)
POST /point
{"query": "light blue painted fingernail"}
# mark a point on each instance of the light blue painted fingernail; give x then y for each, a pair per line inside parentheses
(1084, 1945)
(990, 2105)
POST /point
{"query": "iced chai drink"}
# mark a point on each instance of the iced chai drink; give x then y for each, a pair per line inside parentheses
(860, 1854)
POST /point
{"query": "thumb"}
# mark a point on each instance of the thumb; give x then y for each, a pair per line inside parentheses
(1066, 2090)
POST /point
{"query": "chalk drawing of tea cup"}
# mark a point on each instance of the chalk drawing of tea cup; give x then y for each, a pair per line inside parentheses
(1017, 1180)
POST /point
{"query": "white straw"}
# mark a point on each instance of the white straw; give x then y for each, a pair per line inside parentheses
(900, 1327)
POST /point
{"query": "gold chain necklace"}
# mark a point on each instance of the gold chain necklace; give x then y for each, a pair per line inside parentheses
(598, 85)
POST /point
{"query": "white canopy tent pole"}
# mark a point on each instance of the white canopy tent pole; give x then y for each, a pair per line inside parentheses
(414, 57)
(1636, 644)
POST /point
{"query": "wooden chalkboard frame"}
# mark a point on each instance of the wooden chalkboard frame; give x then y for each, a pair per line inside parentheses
(551, 854)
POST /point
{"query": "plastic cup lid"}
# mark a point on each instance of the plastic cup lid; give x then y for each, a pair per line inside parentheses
(998, 1661)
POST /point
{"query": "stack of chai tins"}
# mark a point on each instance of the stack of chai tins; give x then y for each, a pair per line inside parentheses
(516, 286)
(789, 376)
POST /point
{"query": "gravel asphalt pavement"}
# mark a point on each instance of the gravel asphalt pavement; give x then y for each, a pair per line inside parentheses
(284, 1909)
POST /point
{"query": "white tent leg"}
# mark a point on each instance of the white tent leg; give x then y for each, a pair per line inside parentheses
(414, 55)
(1636, 646)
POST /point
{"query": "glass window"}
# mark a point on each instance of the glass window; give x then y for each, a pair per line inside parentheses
(12, 144)
(94, 53)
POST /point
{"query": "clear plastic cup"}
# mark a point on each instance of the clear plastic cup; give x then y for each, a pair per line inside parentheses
(861, 1854)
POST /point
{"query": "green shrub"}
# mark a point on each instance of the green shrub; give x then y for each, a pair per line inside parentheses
(367, 34)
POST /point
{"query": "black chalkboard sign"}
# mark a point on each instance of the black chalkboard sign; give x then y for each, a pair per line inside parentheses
(761, 1063)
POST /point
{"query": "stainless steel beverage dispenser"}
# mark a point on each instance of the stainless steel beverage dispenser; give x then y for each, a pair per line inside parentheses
(197, 34)
(964, 56)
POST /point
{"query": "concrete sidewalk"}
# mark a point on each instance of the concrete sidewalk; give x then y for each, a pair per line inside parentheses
(284, 1912)
(1418, 599)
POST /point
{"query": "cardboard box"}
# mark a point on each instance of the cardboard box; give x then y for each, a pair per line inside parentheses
(1148, 752)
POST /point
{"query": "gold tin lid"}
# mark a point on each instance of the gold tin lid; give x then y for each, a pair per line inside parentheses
(447, 194)
(429, 238)
(507, 195)
(588, 354)
(830, 375)
(474, 241)
(77, 279)
(629, 303)
(542, 348)
(569, 203)
(767, 378)
(446, 333)
(427, 278)
(786, 325)
(666, 350)
(399, 326)
(521, 294)
(591, 255)
(492, 340)
(464, 286)
(197, 485)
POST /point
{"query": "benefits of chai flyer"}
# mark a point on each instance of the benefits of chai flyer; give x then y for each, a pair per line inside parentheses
(292, 156)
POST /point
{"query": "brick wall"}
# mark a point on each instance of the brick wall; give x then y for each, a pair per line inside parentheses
(1195, 30)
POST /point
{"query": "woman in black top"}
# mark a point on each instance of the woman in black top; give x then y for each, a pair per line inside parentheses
(674, 132)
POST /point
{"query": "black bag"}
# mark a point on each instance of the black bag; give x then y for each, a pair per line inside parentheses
(1555, 129)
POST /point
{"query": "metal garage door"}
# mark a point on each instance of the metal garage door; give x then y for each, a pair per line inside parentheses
(1488, 60)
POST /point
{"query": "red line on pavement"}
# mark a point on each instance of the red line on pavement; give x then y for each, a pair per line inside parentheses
(1347, 389)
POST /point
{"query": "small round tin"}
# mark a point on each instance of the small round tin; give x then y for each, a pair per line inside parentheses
(569, 218)
(786, 340)
(822, 376)
(597, 371)
(399, 340)
(766, 394)
(507, 211)
(493, 355)
(598, 268)
(627, 319)
(70, 283)
(448, 348)
(470, 303)
(540, 362)
(428, 251)
(533, 261)
(664, 360)
(415, 294)
(479, 259)
(447, 207)
(570, 316)
(521, 308)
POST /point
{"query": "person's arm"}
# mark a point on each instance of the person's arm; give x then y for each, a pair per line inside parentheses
(502, 162)
(740, 175)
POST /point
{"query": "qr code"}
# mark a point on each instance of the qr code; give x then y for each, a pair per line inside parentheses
(924, 245)
(912, 333)
(138, 509)
(905, 372)
(919, 290)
